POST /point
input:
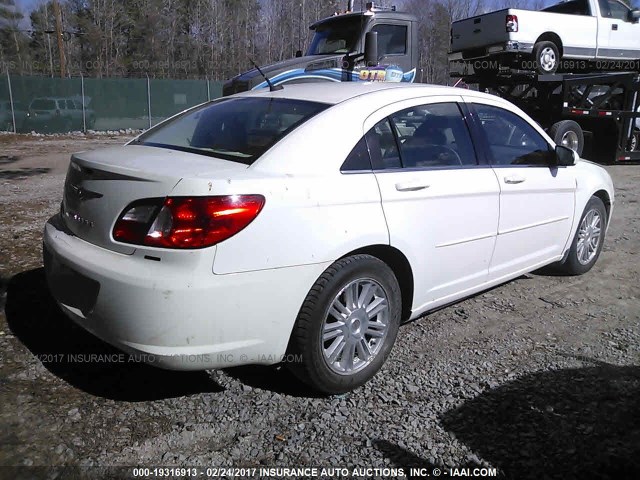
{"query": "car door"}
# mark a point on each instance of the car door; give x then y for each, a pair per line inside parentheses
(440, 205)
(537, 199)
(620, 38)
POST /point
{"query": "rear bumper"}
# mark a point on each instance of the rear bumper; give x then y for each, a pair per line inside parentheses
(510, 47)
(171, 316)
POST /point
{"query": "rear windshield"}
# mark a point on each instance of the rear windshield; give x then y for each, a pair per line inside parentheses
(237, 129)
(573, 7)
(43, 104)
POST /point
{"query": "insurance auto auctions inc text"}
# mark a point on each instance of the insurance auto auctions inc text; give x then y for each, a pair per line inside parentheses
(366, 472)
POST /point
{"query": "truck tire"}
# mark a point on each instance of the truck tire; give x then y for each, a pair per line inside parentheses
(546, 57)
(568, 134)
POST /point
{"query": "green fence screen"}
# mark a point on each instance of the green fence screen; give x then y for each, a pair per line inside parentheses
(50, 105)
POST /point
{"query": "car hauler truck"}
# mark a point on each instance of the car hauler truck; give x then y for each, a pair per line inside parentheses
(379, 44)
(599, 110)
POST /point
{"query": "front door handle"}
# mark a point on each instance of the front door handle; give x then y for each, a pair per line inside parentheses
(514, 180)
(411, 186)
(614, 26)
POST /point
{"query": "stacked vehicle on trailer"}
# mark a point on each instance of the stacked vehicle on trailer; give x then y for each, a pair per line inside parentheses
(574, 67)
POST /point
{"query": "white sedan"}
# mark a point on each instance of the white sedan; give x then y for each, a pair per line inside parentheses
(306, 224)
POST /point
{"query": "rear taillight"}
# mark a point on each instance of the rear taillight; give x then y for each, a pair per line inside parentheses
(512, 23)
(186, 222)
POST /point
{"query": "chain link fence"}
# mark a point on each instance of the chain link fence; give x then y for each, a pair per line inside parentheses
(60, 105)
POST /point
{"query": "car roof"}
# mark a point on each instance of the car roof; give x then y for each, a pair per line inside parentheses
(382, 92)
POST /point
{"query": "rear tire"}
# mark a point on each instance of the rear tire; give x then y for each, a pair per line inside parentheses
(347, 325)
(568, 134)
(546, 57)
(589, 238)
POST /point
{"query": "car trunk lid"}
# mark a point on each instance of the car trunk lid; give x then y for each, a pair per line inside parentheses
(101, 184)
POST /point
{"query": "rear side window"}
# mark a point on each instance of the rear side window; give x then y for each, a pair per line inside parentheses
(512, 141)
(237, 129)
(383, 146)
(358, 160)
(434, 135)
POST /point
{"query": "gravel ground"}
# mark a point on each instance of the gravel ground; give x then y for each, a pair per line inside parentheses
(539, 378)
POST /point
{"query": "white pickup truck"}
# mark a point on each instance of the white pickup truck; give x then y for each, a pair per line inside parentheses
(565, 35)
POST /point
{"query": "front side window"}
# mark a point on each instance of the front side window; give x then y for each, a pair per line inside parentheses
(618, 10)
(392, 39)
(237, 129)
(614, 9)
(512, 140)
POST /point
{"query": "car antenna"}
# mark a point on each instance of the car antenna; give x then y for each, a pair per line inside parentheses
(272, 87)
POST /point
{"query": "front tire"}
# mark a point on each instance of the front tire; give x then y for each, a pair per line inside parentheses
(347, 325)
(587, 243)
(546, 56)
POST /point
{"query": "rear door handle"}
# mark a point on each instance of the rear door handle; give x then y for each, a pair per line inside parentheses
(411, 186)
(513, 180)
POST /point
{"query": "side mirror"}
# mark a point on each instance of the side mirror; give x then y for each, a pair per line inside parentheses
(298, 53)
(634, 15)
(371, 49)
(565, 157)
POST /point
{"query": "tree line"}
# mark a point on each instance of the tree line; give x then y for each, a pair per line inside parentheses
(216, 39)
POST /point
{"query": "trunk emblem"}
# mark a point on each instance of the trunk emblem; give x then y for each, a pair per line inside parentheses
(83, 194)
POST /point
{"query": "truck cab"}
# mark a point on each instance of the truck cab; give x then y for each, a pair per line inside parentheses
(378, 44)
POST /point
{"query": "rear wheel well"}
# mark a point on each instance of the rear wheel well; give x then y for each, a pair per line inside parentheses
(552, 37)
(396, 260)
